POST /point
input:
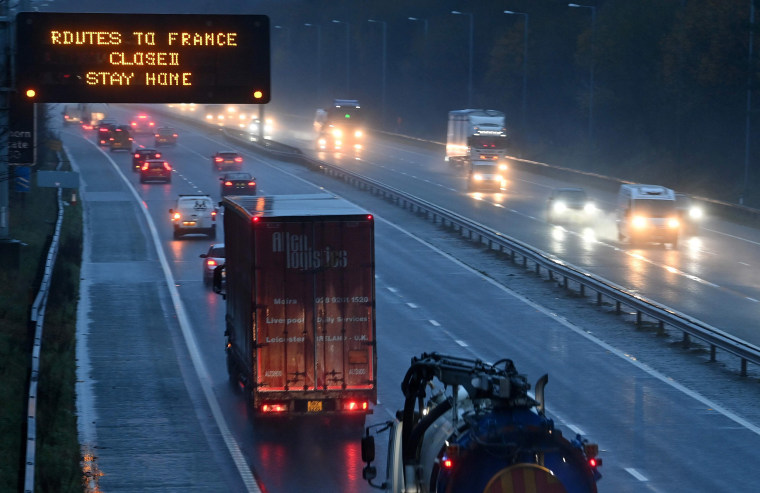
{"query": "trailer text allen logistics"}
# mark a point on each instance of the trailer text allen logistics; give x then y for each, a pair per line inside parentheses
(299, 280)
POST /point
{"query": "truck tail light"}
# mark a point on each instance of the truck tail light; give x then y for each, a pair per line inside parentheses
(274, 408)
(145, 167)
(355, 405)
(137, 156)
(176, 216)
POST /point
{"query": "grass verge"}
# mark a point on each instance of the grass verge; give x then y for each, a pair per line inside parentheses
(32, 222)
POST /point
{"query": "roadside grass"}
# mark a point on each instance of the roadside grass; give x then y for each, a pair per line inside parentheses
(32, 221)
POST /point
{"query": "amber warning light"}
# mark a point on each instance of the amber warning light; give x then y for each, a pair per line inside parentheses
(145, 58)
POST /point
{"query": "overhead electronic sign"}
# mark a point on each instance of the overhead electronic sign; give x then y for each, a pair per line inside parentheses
(142, 58)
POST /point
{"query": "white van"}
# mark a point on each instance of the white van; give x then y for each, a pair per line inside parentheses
(194, 214)
(647, 214)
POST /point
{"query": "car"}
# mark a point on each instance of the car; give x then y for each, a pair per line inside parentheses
(156, 170)
(121, 139)
(227, 160)
(166, 136)
(690, 214)
(570, 205)
(141, 154)
(143, 124)
(211, 260)
(238, 184)
(194, 214)
(104, 130)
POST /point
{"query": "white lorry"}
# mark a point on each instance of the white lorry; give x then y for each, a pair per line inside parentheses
(477, 140)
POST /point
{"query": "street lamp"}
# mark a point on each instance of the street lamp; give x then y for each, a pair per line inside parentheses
(319, 57)
(591, 72)
(385, 29)
(348, 54)
(525, 65)
(469, 80)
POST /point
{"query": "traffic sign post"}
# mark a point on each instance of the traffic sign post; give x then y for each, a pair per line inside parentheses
(22, 142)
(143, 58)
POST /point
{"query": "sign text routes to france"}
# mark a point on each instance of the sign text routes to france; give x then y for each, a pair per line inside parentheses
(148, 50)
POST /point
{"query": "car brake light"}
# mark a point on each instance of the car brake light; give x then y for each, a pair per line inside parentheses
(447, 463)
(213, 215)
(176, 216)
(251, 183)
(211, 262)
(238, 159)
(167, 167)
(134, 124)
(145, 166)
(218, 159)
(137, 156)
(157, 136)
(151, 124)
(274, 408)
(174, 135)
(158, 155)
(227, 183)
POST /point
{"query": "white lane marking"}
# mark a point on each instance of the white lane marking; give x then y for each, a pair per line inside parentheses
(636, 474)
(411, 305)
(392, 290)
(461, 343)
(744, 263)
(192, 345)
(752, 299)
(434, 323)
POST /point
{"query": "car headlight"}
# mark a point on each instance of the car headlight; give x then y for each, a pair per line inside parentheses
(673, 223)
(477, 177)
(589, 208)
(639, 222)
(358, 133)
(337, 132)
(503, 166)
(559, 207)
(696, 212)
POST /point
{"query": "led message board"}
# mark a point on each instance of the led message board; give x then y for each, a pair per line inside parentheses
(142, 58)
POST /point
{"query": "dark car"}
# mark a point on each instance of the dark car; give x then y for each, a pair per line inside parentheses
(143, 124)
(121, 139)
(104, 131)
(140, 155)
(238, 184)
(211, 260)
(156, 170)
(166, 136)
(227, 160)
(569, 205)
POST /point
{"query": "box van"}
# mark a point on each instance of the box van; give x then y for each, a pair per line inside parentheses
(647, 214)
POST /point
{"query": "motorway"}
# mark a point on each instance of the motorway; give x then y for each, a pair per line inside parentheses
(157, 410)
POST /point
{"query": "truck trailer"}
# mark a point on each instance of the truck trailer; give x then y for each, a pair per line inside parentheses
(477, 140)
(480, 431)
(299, 280)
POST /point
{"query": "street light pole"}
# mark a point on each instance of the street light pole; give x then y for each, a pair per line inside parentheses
(591, 72)
(348, 54)
(319, 58)
(469, 80)
(525, 66)
(385, 29)
(748, 117)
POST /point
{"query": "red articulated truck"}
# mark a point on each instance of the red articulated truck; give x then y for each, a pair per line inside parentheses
(299, 280)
